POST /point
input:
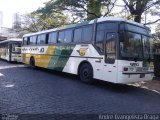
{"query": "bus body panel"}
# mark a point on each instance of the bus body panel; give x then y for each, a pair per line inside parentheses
(5, 56)
(81, 53)
(16, 57)
(106, 72)
(49, 58)
(52, 57)
(130, 78)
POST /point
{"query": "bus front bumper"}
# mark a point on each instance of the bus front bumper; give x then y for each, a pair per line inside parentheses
(135, 77)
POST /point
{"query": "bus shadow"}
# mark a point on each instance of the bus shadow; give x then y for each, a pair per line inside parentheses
(114, 87)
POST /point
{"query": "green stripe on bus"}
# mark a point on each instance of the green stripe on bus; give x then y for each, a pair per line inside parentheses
(60, 57)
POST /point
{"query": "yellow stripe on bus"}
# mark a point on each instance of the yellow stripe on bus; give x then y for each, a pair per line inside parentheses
(43, 60)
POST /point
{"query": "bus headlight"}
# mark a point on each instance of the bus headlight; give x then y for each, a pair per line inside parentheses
(125, 69)
(129, 69)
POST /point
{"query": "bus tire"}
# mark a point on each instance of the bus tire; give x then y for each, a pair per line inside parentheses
(86, 73)
(32, 62)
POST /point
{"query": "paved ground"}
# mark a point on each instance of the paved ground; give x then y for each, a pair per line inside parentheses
(153, 85)
(42, 94)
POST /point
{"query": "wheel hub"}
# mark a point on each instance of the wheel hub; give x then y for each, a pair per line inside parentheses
(85, 73)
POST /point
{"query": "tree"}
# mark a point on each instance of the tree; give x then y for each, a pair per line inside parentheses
(138, 7)
(31, 23)
(79, 9)
(55, 13)
(34, 22)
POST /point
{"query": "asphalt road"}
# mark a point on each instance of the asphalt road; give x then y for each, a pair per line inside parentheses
(43, 93)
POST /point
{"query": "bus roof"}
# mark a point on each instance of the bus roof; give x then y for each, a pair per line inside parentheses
(121, 20)
(12, 40)
(87, 23)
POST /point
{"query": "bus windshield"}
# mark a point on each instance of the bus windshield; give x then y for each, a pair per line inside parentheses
(135, 44)
(130, 46)
(16, 48)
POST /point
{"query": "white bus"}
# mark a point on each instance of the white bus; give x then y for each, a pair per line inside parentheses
(10, 50)
(109, 49)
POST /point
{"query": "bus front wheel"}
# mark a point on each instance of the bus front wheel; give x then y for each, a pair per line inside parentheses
(86, 73)
(32, 62)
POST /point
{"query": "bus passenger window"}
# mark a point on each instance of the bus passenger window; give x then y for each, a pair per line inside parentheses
(68, 36)
(77, 35)
(61, 37)
(99, 41)
(87, 33)
(41, 39)
(107, 26)
(32, 40)
(52, 38)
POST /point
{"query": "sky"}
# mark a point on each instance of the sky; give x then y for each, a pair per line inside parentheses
(9, 7)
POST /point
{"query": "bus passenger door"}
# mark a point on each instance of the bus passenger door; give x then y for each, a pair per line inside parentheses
(110, 65)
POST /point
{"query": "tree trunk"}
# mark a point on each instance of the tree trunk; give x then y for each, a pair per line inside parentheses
(138, 18)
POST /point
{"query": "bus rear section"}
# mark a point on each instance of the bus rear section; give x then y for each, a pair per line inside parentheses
(10, 50)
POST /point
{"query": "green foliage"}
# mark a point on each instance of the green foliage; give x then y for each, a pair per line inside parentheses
(43, 19)
(55, 20)
(94, 9)
(57, 13)
(79, 9)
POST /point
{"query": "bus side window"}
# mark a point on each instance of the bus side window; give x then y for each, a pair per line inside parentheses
(32, 40)
(77, 35)
(52, 38)
(41, 39)
(99, 41)
(68, 36)
(61, 37)
(87, 33)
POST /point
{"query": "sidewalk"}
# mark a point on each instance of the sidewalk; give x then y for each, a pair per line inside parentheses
(153, 85)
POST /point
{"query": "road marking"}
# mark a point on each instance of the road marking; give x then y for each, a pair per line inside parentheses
(6, 67)
(9, 85)
(1, 74)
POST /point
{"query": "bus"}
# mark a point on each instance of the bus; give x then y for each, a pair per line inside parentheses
(10, 50)
(109, 49)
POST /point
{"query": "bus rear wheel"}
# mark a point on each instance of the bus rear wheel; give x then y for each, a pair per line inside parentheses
(86, 73)
(32, 62)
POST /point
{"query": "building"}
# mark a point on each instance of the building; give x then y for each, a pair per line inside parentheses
(2, 38)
